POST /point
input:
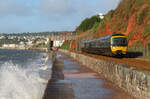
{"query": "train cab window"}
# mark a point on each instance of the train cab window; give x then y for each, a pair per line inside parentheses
(120, 41)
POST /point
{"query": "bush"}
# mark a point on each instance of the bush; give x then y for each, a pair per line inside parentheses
(96, 25)
(88, 23)
(140, 2)
(142, 14)
(65, 46)
(146, 31)
(131, 34)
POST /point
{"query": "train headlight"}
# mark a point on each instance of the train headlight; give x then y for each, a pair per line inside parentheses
(114, 48)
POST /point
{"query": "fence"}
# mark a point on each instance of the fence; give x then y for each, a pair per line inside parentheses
(147, 50)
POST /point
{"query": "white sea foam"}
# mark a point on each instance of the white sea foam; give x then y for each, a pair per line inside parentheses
(43, 68)
(17, 82)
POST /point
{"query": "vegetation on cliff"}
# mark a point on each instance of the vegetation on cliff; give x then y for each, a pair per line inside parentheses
(131, 18)
(88, 24)
(66, 45)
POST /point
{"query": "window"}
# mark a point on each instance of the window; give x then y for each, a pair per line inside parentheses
(119, 41)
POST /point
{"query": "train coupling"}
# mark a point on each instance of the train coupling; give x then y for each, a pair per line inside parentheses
(119, 52)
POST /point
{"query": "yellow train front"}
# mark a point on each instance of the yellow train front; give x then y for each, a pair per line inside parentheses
(115, 44)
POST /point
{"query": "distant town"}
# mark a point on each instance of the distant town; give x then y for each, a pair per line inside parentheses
(28, 40)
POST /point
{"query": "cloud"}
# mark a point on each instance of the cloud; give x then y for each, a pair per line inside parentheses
(55, 7)
(92, 7)
(14, 7)
(44, 15)
(10, 29)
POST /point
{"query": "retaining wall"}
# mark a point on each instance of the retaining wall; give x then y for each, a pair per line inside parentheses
(135, 82)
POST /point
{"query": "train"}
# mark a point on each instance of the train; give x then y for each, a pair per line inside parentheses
(111, 45)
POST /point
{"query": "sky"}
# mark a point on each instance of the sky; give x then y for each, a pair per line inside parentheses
(49, 15)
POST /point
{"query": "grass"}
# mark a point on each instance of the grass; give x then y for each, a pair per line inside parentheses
(65, 46)
(144, 57)
(139, 50)
(136, 47)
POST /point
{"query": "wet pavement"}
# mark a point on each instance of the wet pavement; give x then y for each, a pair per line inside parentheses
(70, 80)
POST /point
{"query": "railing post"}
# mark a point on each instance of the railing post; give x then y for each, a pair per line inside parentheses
(144, 51)
(148, 49)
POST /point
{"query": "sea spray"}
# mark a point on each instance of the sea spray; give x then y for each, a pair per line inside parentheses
(17, 82)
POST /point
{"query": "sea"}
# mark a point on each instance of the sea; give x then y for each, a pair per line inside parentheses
(24, 74)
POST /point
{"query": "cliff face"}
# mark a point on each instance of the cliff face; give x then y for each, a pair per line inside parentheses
(132, 18)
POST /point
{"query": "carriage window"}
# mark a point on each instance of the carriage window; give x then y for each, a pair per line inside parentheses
(119, 41)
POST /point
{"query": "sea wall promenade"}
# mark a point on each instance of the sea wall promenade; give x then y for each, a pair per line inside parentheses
(71, 80)
(136, 82)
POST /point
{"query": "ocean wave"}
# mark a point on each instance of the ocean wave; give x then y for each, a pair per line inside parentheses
(24, 83)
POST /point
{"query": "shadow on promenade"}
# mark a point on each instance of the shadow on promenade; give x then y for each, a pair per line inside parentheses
(57, 87)
(134, 54)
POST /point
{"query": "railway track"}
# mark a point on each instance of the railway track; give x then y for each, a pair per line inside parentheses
(129, 61)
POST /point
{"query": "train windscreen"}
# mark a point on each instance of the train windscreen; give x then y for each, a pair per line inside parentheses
(120, 41)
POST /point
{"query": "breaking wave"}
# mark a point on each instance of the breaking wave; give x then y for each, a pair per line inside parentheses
(17, 82)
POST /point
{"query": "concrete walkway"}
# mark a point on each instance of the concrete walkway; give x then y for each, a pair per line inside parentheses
(70, 80)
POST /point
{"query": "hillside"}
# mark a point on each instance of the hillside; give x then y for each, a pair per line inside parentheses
(131, 17)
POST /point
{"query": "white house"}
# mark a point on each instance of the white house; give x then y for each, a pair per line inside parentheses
(10, 46)
(58, 43)
(101, 16)
(47, 41)
(2, 37)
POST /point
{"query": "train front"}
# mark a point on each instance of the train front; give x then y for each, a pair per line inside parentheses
(119, 45)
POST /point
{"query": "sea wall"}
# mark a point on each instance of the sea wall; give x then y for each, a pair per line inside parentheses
(38, 49)
(135, 82)
(52, 57)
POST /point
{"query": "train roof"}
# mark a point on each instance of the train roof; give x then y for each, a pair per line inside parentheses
(101, 38)
(118, 34)
(105, 37)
